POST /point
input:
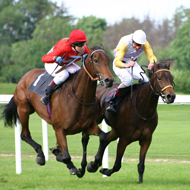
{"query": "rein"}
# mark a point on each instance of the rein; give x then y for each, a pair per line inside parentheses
(144, 118)
(83, 63)
(86, 104)
(93, 79)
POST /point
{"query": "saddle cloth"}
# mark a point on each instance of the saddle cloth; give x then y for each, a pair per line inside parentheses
(40, 83)
(109, 95)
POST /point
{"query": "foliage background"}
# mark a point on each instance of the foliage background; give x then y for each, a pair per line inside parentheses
(29, 29)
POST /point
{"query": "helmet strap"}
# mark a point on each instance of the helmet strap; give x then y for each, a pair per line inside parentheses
(73, 46)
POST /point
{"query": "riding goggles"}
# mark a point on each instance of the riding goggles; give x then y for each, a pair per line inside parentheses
(136, 44)
(79, 44)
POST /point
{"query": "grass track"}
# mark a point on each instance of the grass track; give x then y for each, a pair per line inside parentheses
(171, 142)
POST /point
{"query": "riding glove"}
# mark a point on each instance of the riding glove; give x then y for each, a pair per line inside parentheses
(59, 60)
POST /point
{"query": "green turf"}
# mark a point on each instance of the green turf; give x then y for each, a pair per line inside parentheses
(167, 162)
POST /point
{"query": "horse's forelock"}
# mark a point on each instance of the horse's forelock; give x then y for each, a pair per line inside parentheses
(98, 47)
(162, 66)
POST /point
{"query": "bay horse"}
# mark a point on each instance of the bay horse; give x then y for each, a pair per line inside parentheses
(136, 118)
(73, 107)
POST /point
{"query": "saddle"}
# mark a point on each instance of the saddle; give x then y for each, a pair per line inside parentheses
(40, 83)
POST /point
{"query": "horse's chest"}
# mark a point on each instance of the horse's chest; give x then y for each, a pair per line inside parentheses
(141, 134)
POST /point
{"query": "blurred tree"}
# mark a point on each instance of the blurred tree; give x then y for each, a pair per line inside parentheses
(93, 27)
(180, 48)
(180, 16)
(21, 47)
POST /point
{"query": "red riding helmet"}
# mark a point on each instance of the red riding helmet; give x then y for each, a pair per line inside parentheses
(77, 36)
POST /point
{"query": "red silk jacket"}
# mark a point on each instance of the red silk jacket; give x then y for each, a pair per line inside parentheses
(62, 47)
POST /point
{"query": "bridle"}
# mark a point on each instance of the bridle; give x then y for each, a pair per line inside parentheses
(93, 79)
(160, 93)
(159, 90)
(83, 63)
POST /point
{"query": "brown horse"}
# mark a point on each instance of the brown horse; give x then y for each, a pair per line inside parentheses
(73, 107)
(136, 118)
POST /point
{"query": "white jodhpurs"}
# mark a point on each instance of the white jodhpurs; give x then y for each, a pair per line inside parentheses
(124, 74)
(64, 74)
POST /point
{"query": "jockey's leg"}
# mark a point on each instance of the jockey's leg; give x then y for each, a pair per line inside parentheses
(48, 92)
(58, 79)
(120, 92)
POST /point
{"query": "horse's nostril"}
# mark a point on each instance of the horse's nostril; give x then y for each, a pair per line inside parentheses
(171, 97)
(108, 82)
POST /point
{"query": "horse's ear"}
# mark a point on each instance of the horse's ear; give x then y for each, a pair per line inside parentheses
(155, 66)
(102, 47)
(168, 66)
(89, 48)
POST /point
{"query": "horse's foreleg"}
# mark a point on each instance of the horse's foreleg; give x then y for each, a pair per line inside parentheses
(105, 139)
(85, 139)
(64, 156)
(144, 147)
(120, 151)
(25, 136)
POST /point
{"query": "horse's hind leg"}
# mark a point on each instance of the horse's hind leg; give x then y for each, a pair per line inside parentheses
(144, 147)
(105, 139)
(25, 135)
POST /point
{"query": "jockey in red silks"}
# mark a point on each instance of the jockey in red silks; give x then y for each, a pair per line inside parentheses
(60, 55)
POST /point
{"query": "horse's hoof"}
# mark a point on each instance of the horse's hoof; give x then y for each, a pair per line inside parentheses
(90, 168)
(40, 160)
(82, 172)
(105, 171)
(74, 171)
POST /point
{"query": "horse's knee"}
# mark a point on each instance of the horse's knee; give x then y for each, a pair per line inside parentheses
(103, 137)
(63, 158)
(24, 137)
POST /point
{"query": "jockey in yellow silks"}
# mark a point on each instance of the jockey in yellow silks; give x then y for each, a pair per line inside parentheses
(128, 49)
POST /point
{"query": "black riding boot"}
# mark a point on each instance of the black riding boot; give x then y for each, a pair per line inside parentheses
(117, 97)
(49, 91)
(113, 106)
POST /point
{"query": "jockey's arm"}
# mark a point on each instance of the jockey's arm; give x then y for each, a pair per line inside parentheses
(149, 53)
(50, 57)
(120, 52)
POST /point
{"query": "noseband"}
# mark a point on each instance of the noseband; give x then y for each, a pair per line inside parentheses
(160, 91)
(98, 76)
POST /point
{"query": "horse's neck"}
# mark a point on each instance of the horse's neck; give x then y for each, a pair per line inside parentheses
(84, 87)
(147, 98)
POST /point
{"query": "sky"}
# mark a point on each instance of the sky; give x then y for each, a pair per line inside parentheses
(115, 10)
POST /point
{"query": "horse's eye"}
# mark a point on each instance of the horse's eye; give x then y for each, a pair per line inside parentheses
(159, 78)
(95, 60)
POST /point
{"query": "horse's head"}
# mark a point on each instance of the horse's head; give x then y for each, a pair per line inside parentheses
(99, 67)
(163, 82)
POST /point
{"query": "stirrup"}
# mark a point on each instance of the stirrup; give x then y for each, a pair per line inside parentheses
(112, 108)
(45, 100)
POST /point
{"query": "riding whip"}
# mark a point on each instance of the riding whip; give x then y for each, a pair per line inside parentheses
(64, 67)
(50, 74)
(133, 59)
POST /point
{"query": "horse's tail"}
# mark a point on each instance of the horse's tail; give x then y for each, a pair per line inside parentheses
(9, 113)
